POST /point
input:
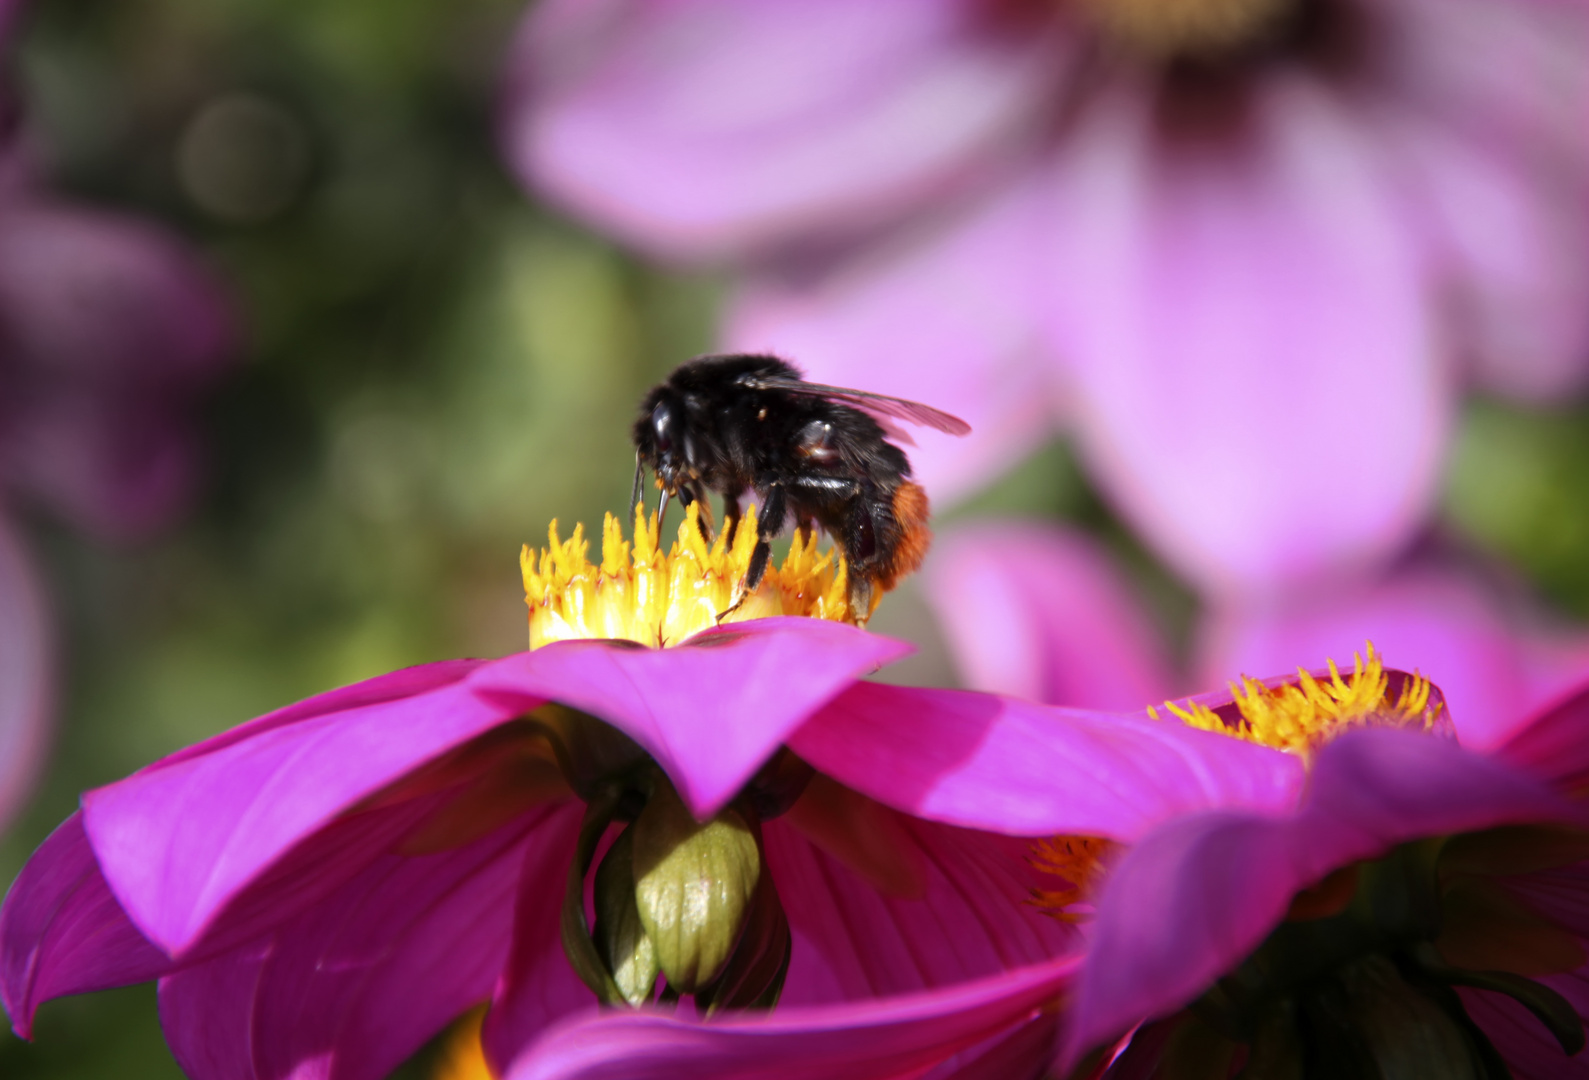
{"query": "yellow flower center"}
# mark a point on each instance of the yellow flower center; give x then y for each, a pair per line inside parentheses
(1079, 864)
(1302, 715)
(639, 593)
(1166, 28)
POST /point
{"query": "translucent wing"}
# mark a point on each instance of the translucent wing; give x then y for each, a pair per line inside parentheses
(880, 405)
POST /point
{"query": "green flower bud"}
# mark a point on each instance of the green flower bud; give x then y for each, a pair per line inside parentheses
(621, 940)
(693, 886)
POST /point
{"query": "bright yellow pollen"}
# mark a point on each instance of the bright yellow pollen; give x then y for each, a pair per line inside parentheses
(657, 599)
(1303, 715)
(462, 1058)
(1078, 861)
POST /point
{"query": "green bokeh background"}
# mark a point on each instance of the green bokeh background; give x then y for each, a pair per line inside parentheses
(434, 367)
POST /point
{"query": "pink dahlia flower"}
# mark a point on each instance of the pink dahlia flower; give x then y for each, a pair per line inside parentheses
(322, 889)
(1419, 911)
(110, 331)
(1194, 235)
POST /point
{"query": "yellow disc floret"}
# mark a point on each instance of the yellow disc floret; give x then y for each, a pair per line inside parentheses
(1303, 714)
(642, 594)
(1078, 862)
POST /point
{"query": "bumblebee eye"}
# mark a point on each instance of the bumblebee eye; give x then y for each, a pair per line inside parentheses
(662, 427)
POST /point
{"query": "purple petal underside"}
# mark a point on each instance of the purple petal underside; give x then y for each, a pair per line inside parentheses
(181, 840)
(1009, 766)
(892, 1039)
(1193, 898)
(710, 710)
(62, 932)
(351, 988)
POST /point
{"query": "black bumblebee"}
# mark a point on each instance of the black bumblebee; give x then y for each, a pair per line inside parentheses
(735, 423)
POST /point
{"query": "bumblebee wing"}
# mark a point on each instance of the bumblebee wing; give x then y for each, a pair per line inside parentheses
(879, 405)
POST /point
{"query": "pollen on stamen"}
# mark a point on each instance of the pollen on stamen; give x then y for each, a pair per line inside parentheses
(1078, 863)
(640, 593)
(1303, 713)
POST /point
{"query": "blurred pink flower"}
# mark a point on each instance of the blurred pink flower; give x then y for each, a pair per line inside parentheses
(1238, 271)
(109, 332)
(1042, 612)
(332, 883)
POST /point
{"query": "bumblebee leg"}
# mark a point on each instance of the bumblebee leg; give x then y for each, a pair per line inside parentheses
(768, 522)
(689, 495)
(730, 516)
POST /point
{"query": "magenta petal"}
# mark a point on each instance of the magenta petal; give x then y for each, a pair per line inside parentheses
(62, 932)
(179, 841)
(352, 987)
(710, 710)
(1192, 899)
(875, 1040)
(703, 127)
(966, 916)
(26, 675)
(1248, 327)
(947, 318)
(1040, 612)
(1554, 744)
(1009, 766)
(538, 984)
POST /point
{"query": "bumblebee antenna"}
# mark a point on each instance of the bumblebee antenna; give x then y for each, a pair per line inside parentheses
(634, 493)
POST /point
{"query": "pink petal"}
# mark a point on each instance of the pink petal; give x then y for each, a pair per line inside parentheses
(26, 675)
(1439, 620)
(967, 915)
(876, 1040)
(1554, 742)
(61, 931)
(112, 329)
(1499, 166)
(703, 128)
(538, 984)
(180, 841)
(1529, 1049)
(1041, 612)
(1249, 331)
(710, 710)
(1189, 901)
(947, 318)
(1009, 766)
(352, 987)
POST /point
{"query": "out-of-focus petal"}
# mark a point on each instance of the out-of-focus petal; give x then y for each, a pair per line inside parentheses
(180, 841)
(352, 987)
(62, 932)
(1010, 766)
(537, 985)
(946, 317)
(1555, 743)
(1531, 1052)
(891, 1039)
(1192, 899)
(110, 328)
(1247, 322)
(1494, 154)
(963, 916)
(26, 675)
(1041, 612)
(704, 128)
(710, 710)
(1446, 623)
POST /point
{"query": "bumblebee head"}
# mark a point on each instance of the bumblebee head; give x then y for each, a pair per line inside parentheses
(659, 436)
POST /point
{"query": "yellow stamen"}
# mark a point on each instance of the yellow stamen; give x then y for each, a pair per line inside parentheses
(639, 593)
(1078, 861)
(462, 1057)
(1302, 715)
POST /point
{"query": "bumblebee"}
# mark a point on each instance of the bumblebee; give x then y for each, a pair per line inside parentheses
(817, 455)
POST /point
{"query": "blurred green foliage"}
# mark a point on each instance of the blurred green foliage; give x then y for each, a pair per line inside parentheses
(434, 368)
